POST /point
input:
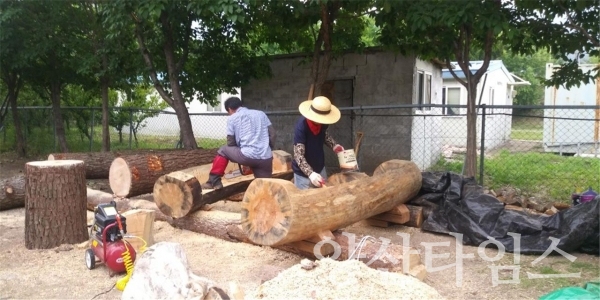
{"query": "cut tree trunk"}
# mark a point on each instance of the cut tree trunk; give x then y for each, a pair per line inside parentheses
(97, 164)
(55, 209)
(132, 175)
(12, 192)
(275, 212)
(227, 226)
(179, 193)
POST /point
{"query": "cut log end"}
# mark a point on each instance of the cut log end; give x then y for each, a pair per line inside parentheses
(174, 195)
(119, 177)
(266, 219)
(54, 163)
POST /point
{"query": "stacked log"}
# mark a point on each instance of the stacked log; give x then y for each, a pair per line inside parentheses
(179, 193)
(275, 212)
(12, 192)
(133, 175)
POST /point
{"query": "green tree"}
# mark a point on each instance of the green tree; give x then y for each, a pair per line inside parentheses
(15, 57)
(110, 60)
(324, 28)
(531, 68)
(190, 48)
(136, 105)
(450, 30)
(569, 30)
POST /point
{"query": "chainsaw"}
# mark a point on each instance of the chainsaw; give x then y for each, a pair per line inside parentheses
(241, 171)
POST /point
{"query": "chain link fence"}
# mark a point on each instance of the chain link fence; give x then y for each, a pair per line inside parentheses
(547, 152)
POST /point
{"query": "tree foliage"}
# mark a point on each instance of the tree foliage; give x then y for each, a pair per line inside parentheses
(569, 30)
(450, 30)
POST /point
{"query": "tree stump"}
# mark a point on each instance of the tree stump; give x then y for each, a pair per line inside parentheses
(55, 203)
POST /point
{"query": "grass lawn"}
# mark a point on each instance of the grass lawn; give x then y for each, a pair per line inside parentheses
(41, 141)
(544, 175)
(524, 128)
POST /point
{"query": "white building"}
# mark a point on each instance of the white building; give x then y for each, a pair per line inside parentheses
(207, 121)
(574, 131)
(496, 87)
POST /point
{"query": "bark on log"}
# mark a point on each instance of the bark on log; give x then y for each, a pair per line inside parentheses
(227, 226)
(55, 209)
(97, 164)
(12, 192)
(133, 175)
(275, 212)
(179, 193)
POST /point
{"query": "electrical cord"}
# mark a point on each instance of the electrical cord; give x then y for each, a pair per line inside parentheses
(102, 293)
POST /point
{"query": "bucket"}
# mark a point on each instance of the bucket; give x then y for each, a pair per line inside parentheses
(347, 160)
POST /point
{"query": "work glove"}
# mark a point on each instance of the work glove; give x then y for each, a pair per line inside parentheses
(338, 148)
(316, 179)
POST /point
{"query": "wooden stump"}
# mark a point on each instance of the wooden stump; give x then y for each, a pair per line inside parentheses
(275, 212)
(55, 203)
(12, 192)
(133, 175)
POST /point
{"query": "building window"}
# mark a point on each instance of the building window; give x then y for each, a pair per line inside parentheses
(213, 108)
(451, 96)
(424, 90)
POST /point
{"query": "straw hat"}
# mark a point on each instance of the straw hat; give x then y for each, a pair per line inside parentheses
(320, 110)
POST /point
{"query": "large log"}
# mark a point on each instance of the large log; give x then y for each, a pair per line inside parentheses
(12, 192)
(133, 175)
(275, 212)
(55, 209)
(227, 226)
(179, 193)
(97, 164)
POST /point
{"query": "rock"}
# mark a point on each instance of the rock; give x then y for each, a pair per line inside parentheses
(162, 272)
(308, 264)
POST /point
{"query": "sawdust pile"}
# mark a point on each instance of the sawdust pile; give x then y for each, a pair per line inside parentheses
(350, 279)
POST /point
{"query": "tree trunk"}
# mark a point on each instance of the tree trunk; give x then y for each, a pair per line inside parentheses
(275, 212)
(105, 112)
(97, 164)
(58, 117)
(179, 193)
(471, 155)
(55, 204)
(183, 116)
(132, 175)
(227, 226)
(14, 85)
(12, 192)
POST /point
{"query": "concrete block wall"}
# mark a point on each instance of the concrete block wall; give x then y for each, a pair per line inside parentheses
(380, 78)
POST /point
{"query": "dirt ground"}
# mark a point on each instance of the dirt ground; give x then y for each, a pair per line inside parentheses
(61, 273)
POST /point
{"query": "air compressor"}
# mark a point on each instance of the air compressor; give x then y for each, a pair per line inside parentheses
(107, 242)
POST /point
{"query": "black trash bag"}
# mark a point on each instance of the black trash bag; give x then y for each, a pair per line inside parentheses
(462, 207)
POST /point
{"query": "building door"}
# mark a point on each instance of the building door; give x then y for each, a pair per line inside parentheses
(340, 92)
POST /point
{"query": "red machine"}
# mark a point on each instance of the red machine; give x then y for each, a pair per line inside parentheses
(107, 243)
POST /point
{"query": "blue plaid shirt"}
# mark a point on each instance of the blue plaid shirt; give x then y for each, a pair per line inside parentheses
(249, 127)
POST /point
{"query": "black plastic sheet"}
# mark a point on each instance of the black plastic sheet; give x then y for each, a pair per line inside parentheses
(456, 204)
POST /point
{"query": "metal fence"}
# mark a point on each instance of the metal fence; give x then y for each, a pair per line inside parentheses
(546, 152)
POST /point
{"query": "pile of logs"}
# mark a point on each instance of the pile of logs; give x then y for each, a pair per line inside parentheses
(273, 211)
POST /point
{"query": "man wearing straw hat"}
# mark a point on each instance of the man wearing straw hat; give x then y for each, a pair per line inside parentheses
(310, 134)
